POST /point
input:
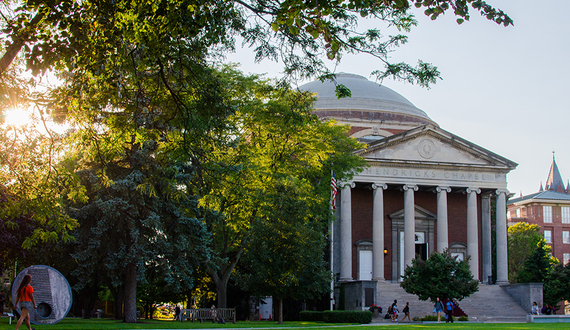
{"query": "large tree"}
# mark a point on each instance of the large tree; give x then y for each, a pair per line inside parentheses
(276, 137)
(440, 276)
(523, 239)
(285, 255)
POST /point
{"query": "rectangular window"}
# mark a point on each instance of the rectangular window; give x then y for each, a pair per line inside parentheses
(566, 258)
(565, 210)
(548, 236)
(547, 214)
(566, 237)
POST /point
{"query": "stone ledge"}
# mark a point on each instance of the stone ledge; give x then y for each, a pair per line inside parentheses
(548, 318)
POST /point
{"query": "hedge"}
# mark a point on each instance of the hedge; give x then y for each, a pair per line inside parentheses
(311, 316)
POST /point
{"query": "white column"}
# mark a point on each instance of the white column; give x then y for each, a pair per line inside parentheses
(346, 232)
(486, 237)
(378, 231)
(409, 224)
(502, 254)
(442, 227)
(472, 231)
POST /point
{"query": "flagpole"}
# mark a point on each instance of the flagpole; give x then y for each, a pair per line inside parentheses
(331, 235)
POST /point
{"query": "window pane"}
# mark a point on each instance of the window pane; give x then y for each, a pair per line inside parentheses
(548, 236)
(547, 214)
(565, 210)
(566, 237)
(566, 258)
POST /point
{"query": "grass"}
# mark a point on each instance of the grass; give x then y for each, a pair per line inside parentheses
(103, 324)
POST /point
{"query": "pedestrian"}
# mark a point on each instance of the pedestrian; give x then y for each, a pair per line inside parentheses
(438, 308)
(177, 312)
(25, 296)
(214, 313)
(395, 311)
(449, 311)
(534, 310)
(406, 312)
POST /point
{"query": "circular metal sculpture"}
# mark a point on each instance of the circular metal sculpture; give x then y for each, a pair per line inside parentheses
(51, 292)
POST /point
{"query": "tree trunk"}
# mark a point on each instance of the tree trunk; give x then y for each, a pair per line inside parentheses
(117, 293)
(131, 293)
(280, 311)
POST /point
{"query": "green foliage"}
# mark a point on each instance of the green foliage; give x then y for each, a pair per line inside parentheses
(463, 318)
(285, 253)
(440, 276)
(312, 316)
(362, 317)
(557, 287)
(522, 241)
(538, 266)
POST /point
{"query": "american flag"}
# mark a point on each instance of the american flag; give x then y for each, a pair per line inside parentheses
(333, 192)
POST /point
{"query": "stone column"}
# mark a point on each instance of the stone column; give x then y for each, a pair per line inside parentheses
(486, 236)
(409, 224)
(346, 232)
(378, 231)
(502, 254)
(442, 227)
(472, 231)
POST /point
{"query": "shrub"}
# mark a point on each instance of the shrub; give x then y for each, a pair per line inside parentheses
(463, 318)
(361, 317)
(311, 316)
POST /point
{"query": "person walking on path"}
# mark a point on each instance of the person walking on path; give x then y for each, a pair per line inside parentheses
(395, 311)
(438, 308)
(25, 297)
(449, 311)
(406, 312)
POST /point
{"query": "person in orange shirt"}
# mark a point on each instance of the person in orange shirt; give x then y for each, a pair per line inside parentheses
(26, 299)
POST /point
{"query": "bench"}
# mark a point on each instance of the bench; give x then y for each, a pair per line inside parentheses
(10, 316)
(548, 318)
(195, 314)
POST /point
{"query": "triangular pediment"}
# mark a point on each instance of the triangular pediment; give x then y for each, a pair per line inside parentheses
(432, 145)
(419, 214)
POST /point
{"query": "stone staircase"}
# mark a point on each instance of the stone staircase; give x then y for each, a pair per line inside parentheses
(490, 304)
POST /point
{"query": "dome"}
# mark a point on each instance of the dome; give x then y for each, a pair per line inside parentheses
(369, 101)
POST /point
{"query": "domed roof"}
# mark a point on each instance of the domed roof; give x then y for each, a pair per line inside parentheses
(366, 96)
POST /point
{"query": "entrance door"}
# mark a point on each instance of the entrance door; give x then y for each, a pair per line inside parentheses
(365, 265)
(421, 249)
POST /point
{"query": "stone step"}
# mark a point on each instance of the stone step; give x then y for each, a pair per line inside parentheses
(490, 304)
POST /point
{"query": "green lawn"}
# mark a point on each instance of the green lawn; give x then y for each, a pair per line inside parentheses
(96, 324)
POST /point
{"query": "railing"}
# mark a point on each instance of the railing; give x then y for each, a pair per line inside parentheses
(201, 314)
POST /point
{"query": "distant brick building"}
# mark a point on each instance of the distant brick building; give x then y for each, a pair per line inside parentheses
(549, 208)
(425, 189)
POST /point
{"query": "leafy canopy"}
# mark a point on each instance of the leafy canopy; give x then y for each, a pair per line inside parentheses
(441, 275)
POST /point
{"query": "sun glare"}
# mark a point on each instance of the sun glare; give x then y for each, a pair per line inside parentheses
(16, 117)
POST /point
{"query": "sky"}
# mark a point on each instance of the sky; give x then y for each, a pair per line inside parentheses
(505, 89)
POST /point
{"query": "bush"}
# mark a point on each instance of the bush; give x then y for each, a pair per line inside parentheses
(463, 318)
(311, 316)
(361, 317)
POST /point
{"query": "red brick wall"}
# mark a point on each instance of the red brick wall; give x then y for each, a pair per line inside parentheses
(362, 204)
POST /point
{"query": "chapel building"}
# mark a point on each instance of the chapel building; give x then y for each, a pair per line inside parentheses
(426, 189)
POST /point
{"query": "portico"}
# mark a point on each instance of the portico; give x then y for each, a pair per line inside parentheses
(410, 205)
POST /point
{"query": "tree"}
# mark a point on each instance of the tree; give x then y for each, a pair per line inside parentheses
(285, 255)
(523, 239)
(557, 286)
(441, 275)
(277, 138)
(538, 266)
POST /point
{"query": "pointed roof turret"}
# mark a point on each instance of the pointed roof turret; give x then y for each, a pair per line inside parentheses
(541, 188)
(554, 181)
